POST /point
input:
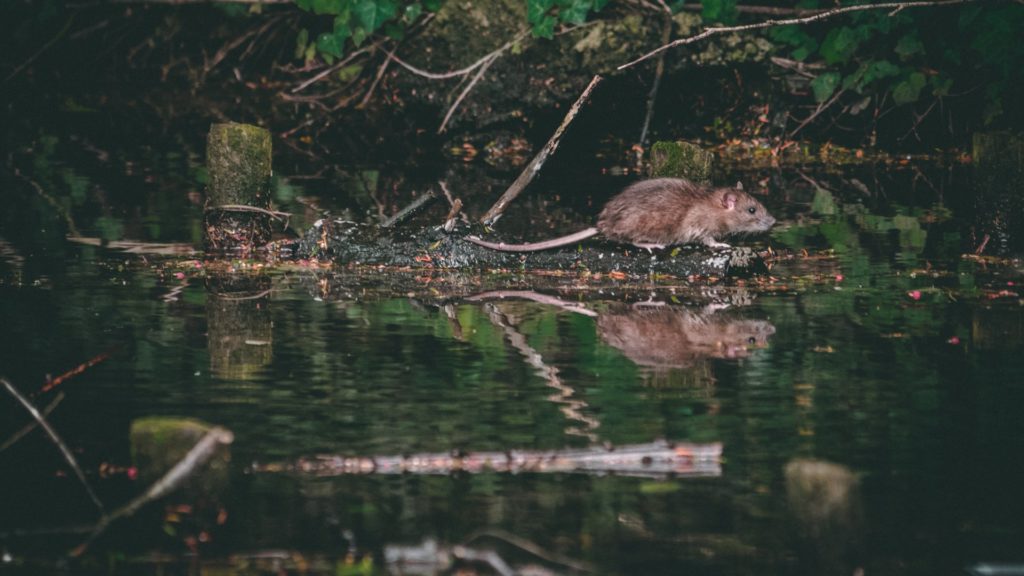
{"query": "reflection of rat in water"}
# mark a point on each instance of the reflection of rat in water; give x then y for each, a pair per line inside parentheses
(675, 337)
(663, 211)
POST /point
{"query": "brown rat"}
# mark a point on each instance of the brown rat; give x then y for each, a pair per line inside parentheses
(663, 211)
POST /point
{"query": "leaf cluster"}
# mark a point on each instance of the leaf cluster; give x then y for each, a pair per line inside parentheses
(543, 15)
(912, 55)
(356, 20)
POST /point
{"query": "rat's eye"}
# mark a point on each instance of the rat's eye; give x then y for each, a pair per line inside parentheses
(752, 210)
(751, 340)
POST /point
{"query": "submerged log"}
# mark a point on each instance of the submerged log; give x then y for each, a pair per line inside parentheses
(238, 196)
(350, 243)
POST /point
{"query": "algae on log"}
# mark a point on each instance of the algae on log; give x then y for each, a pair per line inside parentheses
(350, 243)
(682, 160)
(238, 196)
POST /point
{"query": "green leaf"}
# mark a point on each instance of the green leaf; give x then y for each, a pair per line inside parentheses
(394, 30)
(824, 85)
(909, 90)
(941, 85)
(576, 12)
(412, 12)
(301, 41)
(342, 32)
(342, 20)
(327, 6)
(909, 45)
(880, 69)
(801, 54)
(432, 5)
(359, 34)
(536, 10)
(545, 28)
(350, 72)
(719, 10)
(304, 4)
(373, 13)
(599, 4)
(839, 45)
(329, 44)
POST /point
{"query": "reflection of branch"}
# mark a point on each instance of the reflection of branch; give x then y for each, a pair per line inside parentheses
(72, 229)
(533, 168)
(31, 425)
(790, 21)
(534, 296)
(532, 548)
(570, 407)
(196, 457)
(55, 438)
(652, 460)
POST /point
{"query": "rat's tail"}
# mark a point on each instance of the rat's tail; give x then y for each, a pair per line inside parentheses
(535, 246)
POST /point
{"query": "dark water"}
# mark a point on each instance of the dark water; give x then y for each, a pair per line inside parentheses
(867, 395)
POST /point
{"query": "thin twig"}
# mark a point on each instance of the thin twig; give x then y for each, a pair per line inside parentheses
(789, 21)
(981, 247)
(72, 229)
(376, 80)
(280, 216)
(533, 168)
(52, 41)
(659, 71)
(56, 440)
(330, 69)
(221, 54)
(821, 108)
(462, 71)
(409, 210)
(465, 91)
(917, 122)
(52, 383)
(31, 425)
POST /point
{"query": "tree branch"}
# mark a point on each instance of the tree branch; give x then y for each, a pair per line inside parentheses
(531, 170)
(791, 21)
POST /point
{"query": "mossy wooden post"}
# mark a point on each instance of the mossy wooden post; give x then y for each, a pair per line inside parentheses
(238, 196)
(682, 160)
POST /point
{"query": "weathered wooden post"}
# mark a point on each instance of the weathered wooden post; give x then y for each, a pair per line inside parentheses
(238, 196)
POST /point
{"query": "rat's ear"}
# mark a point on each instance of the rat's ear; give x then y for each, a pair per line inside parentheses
(739, 185)
(729, 200)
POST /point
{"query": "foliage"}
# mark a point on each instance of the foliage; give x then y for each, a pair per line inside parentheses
(913, 55)
(356, 20)
(543, 15)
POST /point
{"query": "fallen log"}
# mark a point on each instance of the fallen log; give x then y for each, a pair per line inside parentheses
(349, 243)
